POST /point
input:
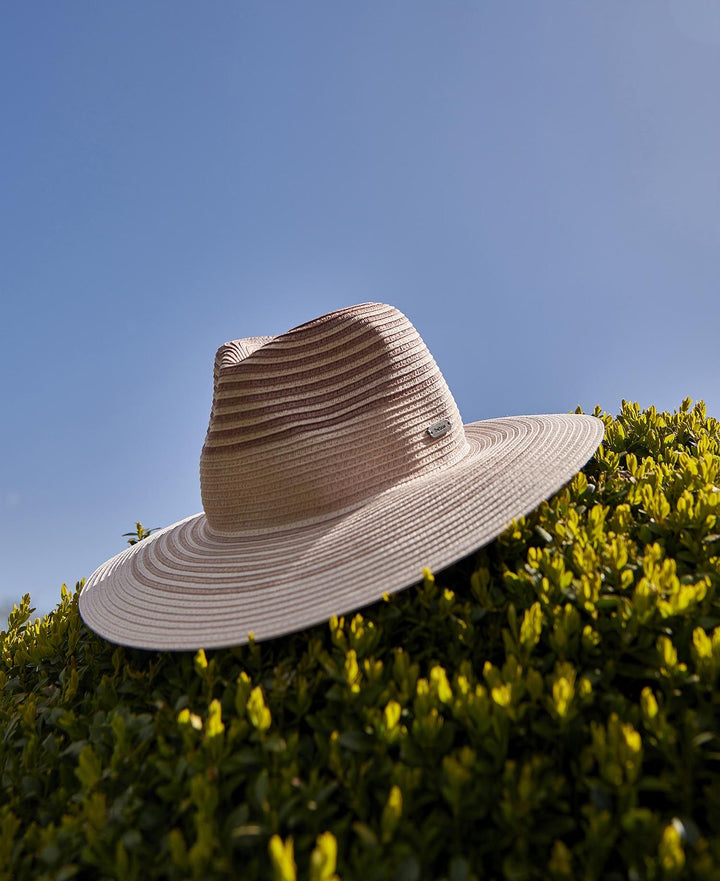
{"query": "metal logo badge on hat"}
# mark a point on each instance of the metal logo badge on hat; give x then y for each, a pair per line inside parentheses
(335, 468)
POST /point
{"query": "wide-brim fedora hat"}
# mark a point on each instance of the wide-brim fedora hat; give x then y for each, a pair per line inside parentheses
(336, 467)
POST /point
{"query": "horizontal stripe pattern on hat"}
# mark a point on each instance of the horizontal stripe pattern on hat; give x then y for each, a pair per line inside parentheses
(320, 419)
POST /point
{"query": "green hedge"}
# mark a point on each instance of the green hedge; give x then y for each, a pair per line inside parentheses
(545, 709)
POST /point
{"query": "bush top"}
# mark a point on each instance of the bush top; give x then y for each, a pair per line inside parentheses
(544, 709)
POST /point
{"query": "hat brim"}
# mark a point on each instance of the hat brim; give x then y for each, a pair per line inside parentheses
(187, 587)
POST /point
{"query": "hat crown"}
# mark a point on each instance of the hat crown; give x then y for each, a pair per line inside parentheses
(316, 421)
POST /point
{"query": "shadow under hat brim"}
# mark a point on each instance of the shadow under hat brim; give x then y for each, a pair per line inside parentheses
(187, 587)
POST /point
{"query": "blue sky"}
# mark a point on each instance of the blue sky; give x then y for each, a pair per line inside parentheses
(536, 185)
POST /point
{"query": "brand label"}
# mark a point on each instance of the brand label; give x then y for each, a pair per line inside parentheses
(438, 429)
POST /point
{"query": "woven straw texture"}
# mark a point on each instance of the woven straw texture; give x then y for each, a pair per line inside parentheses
(322, 488)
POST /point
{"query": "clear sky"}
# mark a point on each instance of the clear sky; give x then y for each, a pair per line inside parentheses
(535, 184)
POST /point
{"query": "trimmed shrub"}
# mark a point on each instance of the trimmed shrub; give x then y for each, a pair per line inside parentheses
(545, 709)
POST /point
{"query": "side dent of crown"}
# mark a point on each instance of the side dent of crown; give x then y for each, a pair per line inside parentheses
(235, 351)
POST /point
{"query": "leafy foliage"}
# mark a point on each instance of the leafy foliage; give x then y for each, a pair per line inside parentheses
(140, 533)
(546, 709)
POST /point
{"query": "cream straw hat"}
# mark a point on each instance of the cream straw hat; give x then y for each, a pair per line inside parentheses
(336, 466)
